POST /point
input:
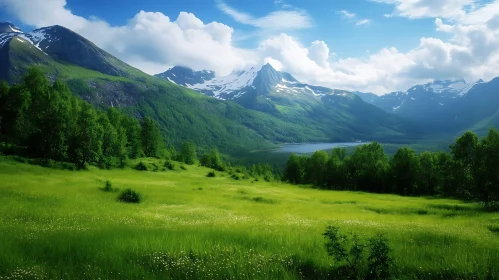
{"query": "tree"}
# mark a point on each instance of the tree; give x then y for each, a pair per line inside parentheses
(467, 151)
(367, 168)
(188, 153)
(428, 175)
(490, 150)
(212, 159)
(87, 140)
(336, 172)
(151, 138)
(404, 167)
(295, 169)
(316, 168)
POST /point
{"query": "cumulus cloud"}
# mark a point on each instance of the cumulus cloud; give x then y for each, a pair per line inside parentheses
(154, 42)
(279, 20)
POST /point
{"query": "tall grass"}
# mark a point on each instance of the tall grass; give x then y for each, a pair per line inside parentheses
(58, 224)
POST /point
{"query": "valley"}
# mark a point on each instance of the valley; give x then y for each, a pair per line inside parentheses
(107, 172)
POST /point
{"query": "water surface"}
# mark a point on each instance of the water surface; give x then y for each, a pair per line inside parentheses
(302, 148)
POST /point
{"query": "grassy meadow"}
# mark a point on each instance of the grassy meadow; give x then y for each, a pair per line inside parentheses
(58, 224)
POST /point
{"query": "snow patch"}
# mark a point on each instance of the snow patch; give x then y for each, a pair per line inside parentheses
(15, 29)
(225, 84)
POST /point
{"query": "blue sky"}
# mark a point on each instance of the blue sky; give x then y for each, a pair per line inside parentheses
(369, 45)
(328, 22)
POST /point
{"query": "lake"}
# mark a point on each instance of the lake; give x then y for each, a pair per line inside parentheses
(303, 148)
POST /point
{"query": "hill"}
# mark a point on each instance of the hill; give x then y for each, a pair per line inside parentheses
(190, 226)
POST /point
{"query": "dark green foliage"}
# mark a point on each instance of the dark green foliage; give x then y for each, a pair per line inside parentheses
(52, 124)
(183, 167)
(379, 260)
(212, 159)
(169, 164)
(130, 196)
(469, 171)
(141, 166)
(188, 153)
(151, 138)
(108, 187)
(355, 259)
(211, 174)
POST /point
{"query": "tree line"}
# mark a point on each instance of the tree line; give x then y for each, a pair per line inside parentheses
(45, 120)
(469, 171)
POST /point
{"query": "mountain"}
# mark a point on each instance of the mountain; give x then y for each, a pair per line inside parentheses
(254, 109)
(443, 106)
(339, 114)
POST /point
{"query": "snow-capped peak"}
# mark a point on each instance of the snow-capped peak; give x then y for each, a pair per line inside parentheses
(466, 89)
(236, 80)
(443, 86)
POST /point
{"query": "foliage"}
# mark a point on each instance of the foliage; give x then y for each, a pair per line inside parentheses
(55, 125)
(169, 164)
(469, 171)
(350, 255)
(188, 153)
(212, 159)
(211, 174)
(130, 196)
(141, 166)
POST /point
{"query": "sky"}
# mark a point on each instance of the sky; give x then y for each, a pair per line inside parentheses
(375, 46)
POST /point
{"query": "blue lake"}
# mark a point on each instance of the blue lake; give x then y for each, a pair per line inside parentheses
(302, 148)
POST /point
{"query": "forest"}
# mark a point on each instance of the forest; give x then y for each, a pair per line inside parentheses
(469, 171)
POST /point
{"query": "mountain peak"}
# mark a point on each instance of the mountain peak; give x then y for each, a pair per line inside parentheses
(7, 27)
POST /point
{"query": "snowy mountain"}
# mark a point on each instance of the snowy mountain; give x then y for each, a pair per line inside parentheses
(60, 44)
(253, 81)
(441, 105)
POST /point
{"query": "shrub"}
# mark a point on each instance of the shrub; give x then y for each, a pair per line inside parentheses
(211, 174)
(235, 177)
(183, 167)
(169, 164)
(349, 253)
(108, 187)
(379, 261)
(130, 196)
(141, 166)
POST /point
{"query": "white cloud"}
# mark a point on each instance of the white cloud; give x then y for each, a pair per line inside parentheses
(352, 17)
(347, 14)
(451, 9)
(363, 21)
(279, 20)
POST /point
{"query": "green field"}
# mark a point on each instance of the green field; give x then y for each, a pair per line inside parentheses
(57, 224)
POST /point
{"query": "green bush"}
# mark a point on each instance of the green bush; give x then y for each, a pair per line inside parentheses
(169, 164)
(349, 253)
(108, 187)
(211, 174)
(141, 166)
(183, 167)
(130, 196)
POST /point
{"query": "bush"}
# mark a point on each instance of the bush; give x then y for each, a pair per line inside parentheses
(235, 177)
(183, 167)
(211, 174)
(130, 196)
(349, 253)
(108, 187)
(141, 166)
(170, 165)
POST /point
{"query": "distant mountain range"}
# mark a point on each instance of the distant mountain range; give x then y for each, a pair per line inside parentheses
(444, 106)
(276, 108)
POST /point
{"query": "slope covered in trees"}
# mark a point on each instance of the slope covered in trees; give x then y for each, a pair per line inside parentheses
(47, 121)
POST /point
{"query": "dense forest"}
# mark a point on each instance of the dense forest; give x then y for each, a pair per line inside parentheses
(470, 171)
(46, 121)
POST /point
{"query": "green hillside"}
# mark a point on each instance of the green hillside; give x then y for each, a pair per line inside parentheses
(61, 224)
